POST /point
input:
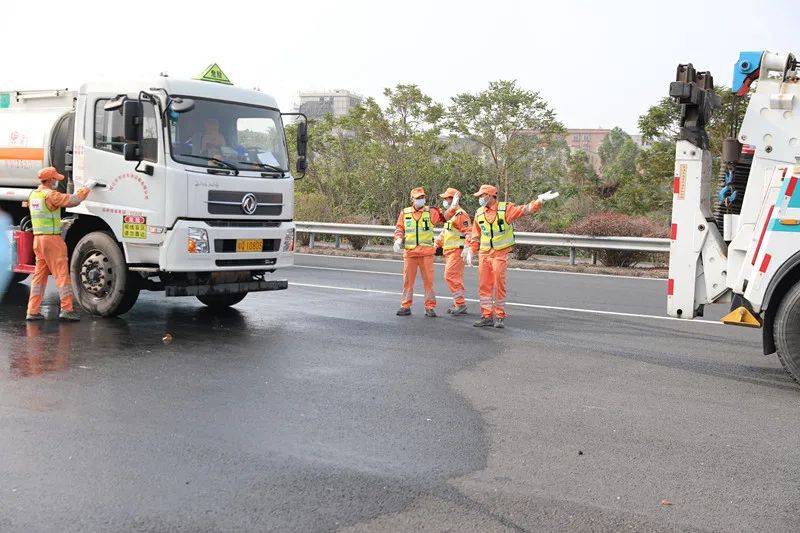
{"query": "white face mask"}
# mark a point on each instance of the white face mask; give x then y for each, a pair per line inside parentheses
(419, 202)
(445, 204)
(483, 200)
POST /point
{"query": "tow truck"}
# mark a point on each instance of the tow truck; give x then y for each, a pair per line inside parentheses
(742, 248)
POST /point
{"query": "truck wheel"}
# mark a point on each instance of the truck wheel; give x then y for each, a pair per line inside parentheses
(100, 277)
(786, 332)
(221, 301)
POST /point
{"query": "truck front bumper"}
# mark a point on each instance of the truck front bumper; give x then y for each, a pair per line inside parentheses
(221, 256)
(226, 288)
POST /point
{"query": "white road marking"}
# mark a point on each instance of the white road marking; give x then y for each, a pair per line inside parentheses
(349, 270)
(513, 304)
(663, 280)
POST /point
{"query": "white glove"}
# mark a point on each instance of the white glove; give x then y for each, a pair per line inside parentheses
(456, 199)
(90, 184)
(466, 255)
(547, 196)
(398, 244)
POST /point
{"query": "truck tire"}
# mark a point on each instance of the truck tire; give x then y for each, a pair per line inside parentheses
(222, 301)
(100, 278)
(786, 332)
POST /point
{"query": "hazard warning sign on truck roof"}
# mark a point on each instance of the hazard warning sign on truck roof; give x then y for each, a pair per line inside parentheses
(214, 74)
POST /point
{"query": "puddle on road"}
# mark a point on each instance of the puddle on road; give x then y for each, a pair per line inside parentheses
(30, 349)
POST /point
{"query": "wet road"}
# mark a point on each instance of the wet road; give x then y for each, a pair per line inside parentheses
(317, 409)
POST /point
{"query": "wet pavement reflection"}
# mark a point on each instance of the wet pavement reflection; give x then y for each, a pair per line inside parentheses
(29, 349)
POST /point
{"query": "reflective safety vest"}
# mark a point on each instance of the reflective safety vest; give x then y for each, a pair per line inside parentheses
(45, 221)
(452, 238)
(498, 234)
(418, 232)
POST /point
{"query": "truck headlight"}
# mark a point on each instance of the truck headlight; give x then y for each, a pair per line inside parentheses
(288, 241)
(198, 241)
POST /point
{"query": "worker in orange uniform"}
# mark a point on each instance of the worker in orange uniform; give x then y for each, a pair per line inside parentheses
(45, 205)
(493, 237)
(452, 241)
(415, 235)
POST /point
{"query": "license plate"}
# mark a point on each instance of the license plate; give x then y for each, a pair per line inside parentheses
(249, 245)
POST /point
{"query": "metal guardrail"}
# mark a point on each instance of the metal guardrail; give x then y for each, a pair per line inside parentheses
(557, 240)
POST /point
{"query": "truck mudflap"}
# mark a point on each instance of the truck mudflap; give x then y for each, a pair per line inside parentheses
(226, 288)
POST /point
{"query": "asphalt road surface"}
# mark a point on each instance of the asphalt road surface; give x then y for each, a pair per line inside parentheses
(317, 409)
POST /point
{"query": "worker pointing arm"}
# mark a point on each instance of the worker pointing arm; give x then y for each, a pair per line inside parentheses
(57, 200)
(493, 239)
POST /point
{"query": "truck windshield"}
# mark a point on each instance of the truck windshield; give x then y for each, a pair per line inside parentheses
(219, 134)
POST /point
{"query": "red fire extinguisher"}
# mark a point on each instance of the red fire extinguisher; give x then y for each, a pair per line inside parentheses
(23, 258)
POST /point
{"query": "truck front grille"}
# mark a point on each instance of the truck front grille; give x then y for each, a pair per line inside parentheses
(230, 203)
(223, 223)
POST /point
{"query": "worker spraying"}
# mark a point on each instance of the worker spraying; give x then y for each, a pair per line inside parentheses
(45, 205)
(493, 238)
(414, 234)
(452, 241)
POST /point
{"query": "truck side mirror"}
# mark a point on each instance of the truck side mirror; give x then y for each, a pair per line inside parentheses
(131, 151)
(301, 165)
(302, 140)
(181, 105)
(132, 128)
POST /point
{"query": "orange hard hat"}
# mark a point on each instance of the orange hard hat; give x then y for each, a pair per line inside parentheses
(50, 173)
(486, 189)
(417, 192)
(449, 193)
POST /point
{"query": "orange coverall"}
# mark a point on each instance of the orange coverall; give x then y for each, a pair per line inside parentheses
(51, 258)
(492, 264)
(420, 257)
(453, 262)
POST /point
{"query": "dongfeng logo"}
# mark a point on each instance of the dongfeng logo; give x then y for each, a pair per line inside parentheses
(249, 203)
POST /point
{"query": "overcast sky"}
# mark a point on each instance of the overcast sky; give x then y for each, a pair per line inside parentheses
(599, 63)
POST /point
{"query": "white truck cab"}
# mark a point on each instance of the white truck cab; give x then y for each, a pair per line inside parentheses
(194, 195)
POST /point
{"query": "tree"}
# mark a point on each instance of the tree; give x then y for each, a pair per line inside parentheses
(580, 173)
(660, 127)
(508, 123)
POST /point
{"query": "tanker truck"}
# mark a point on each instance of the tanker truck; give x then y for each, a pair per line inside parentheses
(194, 195)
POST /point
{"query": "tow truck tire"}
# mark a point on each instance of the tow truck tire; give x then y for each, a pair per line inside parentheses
(101, 281)
(222, 301)
(786, 332)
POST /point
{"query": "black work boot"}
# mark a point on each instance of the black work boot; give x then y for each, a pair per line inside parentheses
(484, 321)
(430, 313)
(404, 311)
(499, 323)
(34, 317)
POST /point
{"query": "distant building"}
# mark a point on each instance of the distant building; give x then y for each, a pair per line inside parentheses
(588, 140)
(317, 104)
